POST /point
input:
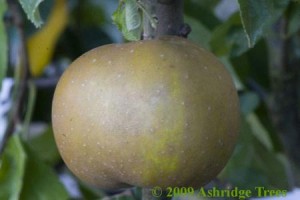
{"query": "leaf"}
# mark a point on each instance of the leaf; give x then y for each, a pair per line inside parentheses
(258, 16)
(236, 79)
(29, 107)
(3, 42)
(126, 19)
(117, 15)
(249, 101)
(252, 164)
(12, 165)
(125, 195)
(41, 181)
(90, 13)
(200, 33)
(31, 9)
(44, 146)
(208, 4)
(252, 70)
(137, 192)
(24, 176)
(203, 12)
(89, 192)
(229, 38)
(259, 130)
(132, 15)
(294, 18)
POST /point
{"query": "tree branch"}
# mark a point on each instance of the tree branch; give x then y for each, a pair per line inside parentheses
(169, 17)
(285, 79)
(20, 64)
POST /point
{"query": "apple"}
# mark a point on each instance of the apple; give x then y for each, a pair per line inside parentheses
(162, 112)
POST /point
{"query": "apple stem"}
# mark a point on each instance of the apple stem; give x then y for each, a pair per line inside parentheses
(163, 17)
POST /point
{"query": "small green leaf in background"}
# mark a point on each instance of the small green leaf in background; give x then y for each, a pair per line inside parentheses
(24, 176)
(294, 19)
(45, 147)
(89, 192)
(126, 195)
(259, 131)
(3, 42)
(258, 16)
(29, 108)
(12, 166)
(253, 164)
(40, 181)
(203, 12)
(198, 30)
(127, 18)
(229, 38)
(90, 13)
(32, 11)
(236, 79)
(209, 4)
(248, 101)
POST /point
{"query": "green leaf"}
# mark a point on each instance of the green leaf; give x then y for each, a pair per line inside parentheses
(229, 38)
(44, 146)
(31, 8)
(252, 164)
(236, 79)
(12, 165)
(203, 12)
(259, 131)
(258, 16)
(200, 33)
(294, 18)
(128, 20)
(89, 192)
(208, 4)
(126, 195)
(249, 101)
(132, 15)
(117, 16)
(252, 70)
(3, 42)
(30, 107)
(90, 13)
(41, 181)
(137, 192)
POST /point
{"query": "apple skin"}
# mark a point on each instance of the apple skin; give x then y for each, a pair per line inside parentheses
(163, 112)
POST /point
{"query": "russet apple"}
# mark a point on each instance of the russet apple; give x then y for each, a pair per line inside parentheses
(162, 112)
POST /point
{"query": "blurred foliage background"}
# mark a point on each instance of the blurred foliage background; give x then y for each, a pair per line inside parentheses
(258, 41)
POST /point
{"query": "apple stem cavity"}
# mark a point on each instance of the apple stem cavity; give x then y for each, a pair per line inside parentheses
(169, 17)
